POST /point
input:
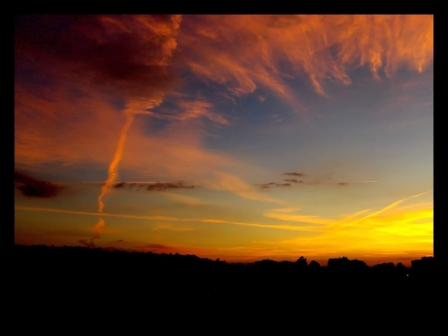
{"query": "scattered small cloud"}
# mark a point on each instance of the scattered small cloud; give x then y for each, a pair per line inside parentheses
(156, 186)
(274, 185)
(164, 186)
(293, 181)
(295, 174)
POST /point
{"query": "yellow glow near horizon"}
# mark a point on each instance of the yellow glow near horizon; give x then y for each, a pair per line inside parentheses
(398, 232)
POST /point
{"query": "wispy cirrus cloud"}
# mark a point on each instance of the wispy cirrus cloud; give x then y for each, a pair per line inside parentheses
(353, 222)
(79, 73)
(394, 230)
(70, 97)
(239, 187)
(244, 52)
(187, 110)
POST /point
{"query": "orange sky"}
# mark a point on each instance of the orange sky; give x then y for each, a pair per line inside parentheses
(239, 137)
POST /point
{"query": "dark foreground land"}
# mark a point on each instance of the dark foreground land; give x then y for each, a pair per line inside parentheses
(78, 274)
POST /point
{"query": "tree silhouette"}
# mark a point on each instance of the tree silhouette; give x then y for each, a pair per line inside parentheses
(301, 262)
(314, 264)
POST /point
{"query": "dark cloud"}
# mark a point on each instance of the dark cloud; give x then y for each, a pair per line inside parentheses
(342, 183)
(268, 185)
(293, 181)
(157, 186)
(295, 174)
(120, 185)
(165, 186)
(126, 52)
(274, 185)
(283, 184)
(32, 187)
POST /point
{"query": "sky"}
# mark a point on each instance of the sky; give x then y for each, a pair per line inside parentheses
(238, 137)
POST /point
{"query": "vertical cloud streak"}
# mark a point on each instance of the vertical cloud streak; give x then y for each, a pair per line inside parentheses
(112, 172)
(132, 109)
(112, 175)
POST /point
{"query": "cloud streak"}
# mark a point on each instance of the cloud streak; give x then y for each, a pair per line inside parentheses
(165, 218)
(350, 222)
(295, 174)
(293, 181)
(300, 219)
(274, 185)
(157, 186)
(239, 187)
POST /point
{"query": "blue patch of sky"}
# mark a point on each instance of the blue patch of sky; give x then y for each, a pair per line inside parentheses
(350, 127)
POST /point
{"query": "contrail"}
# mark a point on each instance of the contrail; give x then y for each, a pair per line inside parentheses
(112, 174)
(343, 222)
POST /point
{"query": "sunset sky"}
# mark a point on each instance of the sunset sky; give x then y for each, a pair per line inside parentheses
(239, 137)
